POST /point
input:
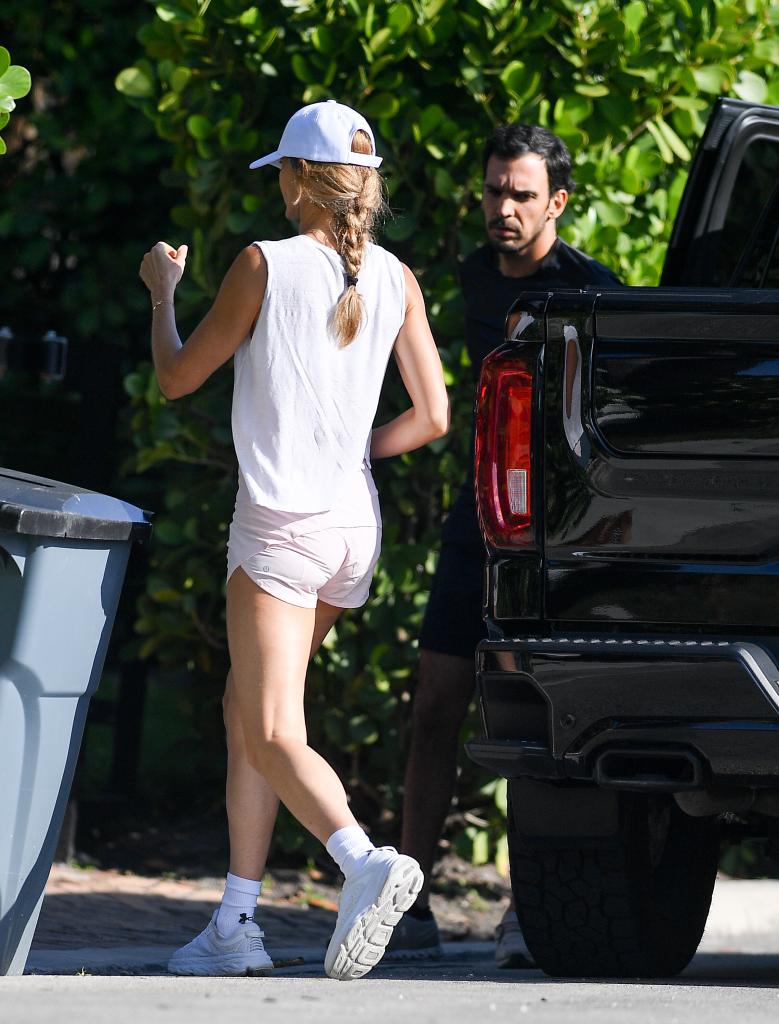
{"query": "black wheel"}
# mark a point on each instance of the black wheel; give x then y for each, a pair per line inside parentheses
(633, 905)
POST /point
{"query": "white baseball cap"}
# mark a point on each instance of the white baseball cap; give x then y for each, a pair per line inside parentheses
(323, 132)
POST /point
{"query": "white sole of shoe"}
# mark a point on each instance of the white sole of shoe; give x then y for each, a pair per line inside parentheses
(225, 966)
(359, 951)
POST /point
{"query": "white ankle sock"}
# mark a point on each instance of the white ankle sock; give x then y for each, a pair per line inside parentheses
(349, 847)
(240, 898)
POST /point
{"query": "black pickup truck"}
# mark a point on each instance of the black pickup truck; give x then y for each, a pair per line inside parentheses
(627, 474)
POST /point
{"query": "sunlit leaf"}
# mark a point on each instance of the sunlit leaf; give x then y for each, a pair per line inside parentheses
(749, 86)
(134, 82)
(710, 79)
(15, 82)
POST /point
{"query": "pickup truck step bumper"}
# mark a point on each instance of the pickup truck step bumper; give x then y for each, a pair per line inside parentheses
(667, 714)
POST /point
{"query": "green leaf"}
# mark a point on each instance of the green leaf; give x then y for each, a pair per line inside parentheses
(315, 93)
(134, 385)
(431, 117)
(165, 594)
(168, 100)
(199, 127)
(611, 214)
(710, 78)
(15, 82)
(572, 108)
(663, 148)
(634, 15)
(4, 119)
(501, 796)
(514, 76)
(480, 853)
(749, 86)
(767, 50)
(593, 89)
(251, 17)
(5, 60)
(432, 8)
(179, 78)
(168, 531)
(380, 40)
(400, 19)
(173, 12)
(7, 104)
(645, 161)
(443, 186)
(149, 646)
(502, 857)
(303, 70)
(673, 140)
(381, 104)
(134, 82)
(401, 228)
(324, 39)
(3, 148)
(675, 193)
(692, 103)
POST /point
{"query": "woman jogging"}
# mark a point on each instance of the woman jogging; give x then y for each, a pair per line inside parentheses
(311, 321)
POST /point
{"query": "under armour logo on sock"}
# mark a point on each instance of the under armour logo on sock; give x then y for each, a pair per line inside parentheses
(245, 918)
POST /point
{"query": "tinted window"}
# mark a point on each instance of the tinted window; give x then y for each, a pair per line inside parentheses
(756, 192)
(745, 243)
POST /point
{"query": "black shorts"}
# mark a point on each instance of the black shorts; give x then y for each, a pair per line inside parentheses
(453, 622)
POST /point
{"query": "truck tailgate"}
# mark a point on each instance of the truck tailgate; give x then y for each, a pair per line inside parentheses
(661, 468)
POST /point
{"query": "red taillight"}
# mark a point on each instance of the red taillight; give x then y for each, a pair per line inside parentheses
(504, 413)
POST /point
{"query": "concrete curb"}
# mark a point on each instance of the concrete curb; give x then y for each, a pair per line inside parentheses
(744, 907)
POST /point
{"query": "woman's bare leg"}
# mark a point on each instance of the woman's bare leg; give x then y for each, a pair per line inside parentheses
(252, 803)
(270, 644)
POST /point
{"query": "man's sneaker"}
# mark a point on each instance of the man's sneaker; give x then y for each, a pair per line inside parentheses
(211, 955)
(415, 938)
(510, 948)
(372, 902)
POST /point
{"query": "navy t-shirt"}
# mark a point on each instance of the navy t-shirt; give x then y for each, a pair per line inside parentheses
(488, 296)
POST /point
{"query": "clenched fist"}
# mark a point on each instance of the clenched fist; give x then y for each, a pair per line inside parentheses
(161, 270)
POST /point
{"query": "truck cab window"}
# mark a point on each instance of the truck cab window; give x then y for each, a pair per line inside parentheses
(746, 240)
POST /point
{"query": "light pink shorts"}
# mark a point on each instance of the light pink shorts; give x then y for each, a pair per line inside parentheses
(303, 558)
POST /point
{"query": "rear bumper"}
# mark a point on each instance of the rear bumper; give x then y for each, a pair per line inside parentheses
(629, 712)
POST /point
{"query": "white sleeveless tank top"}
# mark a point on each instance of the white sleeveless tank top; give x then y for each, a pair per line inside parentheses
(303, 408)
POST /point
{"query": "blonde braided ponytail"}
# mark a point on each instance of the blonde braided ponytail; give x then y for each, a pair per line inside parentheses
(353, 196)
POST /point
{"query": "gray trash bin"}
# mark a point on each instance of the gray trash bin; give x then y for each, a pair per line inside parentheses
(63, 554)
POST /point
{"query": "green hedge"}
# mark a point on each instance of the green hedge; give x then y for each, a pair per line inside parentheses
(15, 82)
(80, 185)
(627, 85)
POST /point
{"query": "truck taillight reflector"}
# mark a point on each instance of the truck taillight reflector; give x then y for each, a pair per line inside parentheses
(504, 413)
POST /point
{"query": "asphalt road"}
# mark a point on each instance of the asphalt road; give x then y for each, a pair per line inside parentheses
(719, 986)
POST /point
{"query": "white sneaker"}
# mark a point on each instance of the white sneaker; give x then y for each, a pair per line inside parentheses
(510, 947)
(211, 955)
(372, 902)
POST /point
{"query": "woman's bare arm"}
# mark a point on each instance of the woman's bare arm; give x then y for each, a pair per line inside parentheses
(182, 368)
(422, 374)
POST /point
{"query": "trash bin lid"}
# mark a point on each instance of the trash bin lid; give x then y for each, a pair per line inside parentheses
(39, 507)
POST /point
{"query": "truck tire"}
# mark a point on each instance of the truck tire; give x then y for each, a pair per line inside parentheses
(631, 905)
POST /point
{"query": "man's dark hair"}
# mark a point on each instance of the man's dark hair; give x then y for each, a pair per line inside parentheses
(509, 141)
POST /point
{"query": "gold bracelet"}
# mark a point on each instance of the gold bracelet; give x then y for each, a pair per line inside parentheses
(161, 302)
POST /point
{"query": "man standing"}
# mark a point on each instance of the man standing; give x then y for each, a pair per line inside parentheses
(527, 181)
